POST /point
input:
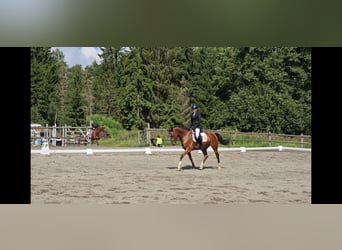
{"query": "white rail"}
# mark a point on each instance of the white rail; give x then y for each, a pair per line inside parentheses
(150, 150)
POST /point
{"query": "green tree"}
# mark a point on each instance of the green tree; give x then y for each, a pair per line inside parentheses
(75, 106)
(44, 85)
(262, 109)
(250, 88)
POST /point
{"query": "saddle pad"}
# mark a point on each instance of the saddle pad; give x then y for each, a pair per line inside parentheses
(204, 137)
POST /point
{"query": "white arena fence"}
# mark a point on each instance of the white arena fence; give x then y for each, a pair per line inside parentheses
(45, 150)
(71, 136)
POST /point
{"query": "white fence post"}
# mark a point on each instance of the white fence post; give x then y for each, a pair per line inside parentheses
(148, 135)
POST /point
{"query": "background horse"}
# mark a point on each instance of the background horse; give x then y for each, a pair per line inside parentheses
(185, 136)
(96, 134)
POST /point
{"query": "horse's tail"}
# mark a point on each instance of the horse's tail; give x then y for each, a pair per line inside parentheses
(220, 138)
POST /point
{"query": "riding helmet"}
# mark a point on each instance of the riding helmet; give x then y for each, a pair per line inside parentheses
(194, 106)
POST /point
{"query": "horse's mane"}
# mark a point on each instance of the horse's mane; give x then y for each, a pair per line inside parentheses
(180, 126)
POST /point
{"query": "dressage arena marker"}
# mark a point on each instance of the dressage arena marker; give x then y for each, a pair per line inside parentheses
(242, 149)
(89, 151)
(46, 151)
(148, 151)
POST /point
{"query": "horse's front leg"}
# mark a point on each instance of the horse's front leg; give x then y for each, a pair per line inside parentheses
(180, 162)
(190, 157)
(187, 151)
(205, 153)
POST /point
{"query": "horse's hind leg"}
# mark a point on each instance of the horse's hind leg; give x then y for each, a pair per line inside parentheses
(218, 158)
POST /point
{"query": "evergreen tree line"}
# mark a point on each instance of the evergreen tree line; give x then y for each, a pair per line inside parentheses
(256, 89)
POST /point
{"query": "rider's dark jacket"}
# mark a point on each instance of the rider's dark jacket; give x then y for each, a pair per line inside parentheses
(196, 120)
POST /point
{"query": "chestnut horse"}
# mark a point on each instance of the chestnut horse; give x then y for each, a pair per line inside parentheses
(96, 134)
(186, 137)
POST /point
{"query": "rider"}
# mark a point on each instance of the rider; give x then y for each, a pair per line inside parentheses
(92, 123)
(195, 125)
(92, 127)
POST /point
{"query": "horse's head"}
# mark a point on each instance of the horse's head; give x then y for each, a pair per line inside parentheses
(173, 136)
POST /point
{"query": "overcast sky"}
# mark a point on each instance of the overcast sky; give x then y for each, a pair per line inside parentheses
(80, 55)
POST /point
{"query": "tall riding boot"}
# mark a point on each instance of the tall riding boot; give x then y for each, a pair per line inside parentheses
(199, 141)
